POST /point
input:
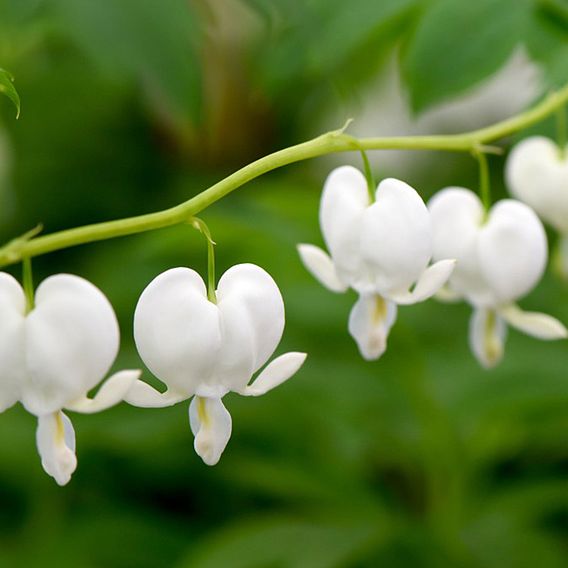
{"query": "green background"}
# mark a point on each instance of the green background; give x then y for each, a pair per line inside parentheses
(421, 459)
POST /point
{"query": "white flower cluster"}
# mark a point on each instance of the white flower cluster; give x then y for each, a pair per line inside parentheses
(55, 352)
(56, 347)
(381, 246)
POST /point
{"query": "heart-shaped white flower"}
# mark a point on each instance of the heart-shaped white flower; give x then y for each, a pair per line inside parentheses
(500, 259)
(381, 248)
(54, 355)
(537, 173)
(204, 349)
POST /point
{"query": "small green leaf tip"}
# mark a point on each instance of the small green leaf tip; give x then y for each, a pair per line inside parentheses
(7, 87)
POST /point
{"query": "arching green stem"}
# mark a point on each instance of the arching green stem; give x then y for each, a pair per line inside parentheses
(331, 142)
(202, 227)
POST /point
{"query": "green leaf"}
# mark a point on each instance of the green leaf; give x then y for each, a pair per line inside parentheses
(547, 43)
(330, 42)
(151, 42)
(458, 44)
(7, 87)
(293, 542)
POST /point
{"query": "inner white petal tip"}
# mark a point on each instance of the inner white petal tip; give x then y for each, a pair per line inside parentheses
(206, 449)
(211, 425)
(487, 334)
(369, 324)
(55, 439)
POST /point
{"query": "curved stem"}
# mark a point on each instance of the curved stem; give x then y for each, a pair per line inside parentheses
(331, 142)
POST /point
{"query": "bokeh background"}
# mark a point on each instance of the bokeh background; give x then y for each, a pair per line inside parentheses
(421, 459)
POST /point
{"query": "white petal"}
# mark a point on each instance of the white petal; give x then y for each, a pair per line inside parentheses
(431, 281)
(536, 324)
(12, 338)
(512, 250)
(457, 216)
(487, 333)
(72, 340)
(111, 392)
(370, 321)
(344, 199)
(252, 314)
(55, 440)
(177, 330)
(320, 265)
(275, 373)
(211, 425)
(537, 175)
(141, 394)
(396, 237)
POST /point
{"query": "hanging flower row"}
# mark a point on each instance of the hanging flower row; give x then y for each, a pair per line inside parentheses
(381, 246)
(204, 342)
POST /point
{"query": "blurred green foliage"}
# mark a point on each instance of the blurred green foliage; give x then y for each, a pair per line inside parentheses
(421, 459)
(8, 89)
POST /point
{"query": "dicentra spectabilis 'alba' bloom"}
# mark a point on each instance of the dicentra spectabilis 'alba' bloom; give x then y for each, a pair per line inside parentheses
(204, 350)
(500, 259)
(537, 173)
(380, 248)
(52, 356)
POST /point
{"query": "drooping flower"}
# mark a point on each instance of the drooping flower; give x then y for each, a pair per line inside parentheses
(204, 350)
(51, 356)
(537, 173)
(380, 248)
(500, 259)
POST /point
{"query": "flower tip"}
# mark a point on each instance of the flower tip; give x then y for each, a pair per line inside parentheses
(67, 467)
(373, 351)
(562, 333)
(207, 451)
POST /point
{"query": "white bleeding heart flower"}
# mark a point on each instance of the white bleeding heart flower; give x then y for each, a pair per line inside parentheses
(53, 356)
(204, 350)
(500, 258)
(537, 173)
(380, 248)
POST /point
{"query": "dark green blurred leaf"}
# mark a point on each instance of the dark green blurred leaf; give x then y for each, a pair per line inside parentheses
(547, 42)
(327, 44)
(457, 44)
(153, 42)
(8, 89)
(290, 543)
